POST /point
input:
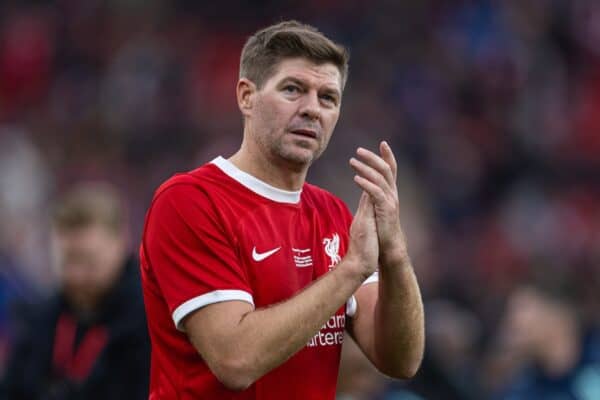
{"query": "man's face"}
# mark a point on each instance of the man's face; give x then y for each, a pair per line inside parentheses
(89, 260)
(534, 320)
(295, 112)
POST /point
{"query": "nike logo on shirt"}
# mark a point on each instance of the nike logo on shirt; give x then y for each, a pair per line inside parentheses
(261, 256)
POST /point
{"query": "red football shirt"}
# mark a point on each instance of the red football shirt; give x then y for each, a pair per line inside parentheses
(219, 234)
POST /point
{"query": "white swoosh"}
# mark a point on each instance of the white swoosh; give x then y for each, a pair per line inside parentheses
(261, 256)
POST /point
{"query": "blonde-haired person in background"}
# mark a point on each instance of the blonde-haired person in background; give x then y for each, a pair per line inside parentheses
(90, 340)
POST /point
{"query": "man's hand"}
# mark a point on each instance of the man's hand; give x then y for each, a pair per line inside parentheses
(376, 175)
(389, 323)
(364, 245)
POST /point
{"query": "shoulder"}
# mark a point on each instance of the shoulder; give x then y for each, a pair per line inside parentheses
(198, 180)
(323, 199)
(123, 310)
(180, 206)
(189, 207)
(187, 190)
(318, 194)
(31, 318)
(525, 385)
(128, 289)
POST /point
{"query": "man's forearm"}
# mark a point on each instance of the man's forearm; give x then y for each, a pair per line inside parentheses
(399, 321)
(277, 332)
(264, 338)
(390, 327)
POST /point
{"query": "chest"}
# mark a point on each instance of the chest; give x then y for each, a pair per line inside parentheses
(282, 252)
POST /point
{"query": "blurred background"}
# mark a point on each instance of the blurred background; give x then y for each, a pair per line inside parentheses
(492, 108)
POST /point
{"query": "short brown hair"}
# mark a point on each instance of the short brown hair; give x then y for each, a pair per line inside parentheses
(265, 49)
(89, 204)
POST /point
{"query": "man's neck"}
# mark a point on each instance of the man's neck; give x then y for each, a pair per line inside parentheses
(86, 309)
(277, 174)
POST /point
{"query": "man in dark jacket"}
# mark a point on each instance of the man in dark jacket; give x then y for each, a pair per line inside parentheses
(90, 341)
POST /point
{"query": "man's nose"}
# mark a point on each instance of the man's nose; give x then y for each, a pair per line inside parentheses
(310, 107)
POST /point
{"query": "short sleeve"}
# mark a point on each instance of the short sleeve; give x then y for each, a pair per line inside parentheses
(192, 253)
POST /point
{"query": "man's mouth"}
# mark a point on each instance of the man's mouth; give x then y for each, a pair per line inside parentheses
(305, 132)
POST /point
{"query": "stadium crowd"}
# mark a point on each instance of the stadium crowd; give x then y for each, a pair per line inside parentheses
(492, 107)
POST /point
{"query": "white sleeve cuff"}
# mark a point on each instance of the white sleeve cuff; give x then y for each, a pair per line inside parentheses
(216, 296)
(352, 304)
(373, 278)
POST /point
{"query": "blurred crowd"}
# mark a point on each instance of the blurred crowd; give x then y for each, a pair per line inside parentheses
(492, 108)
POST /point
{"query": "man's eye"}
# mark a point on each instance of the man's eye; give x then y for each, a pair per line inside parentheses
(291, 89)
(329, 99)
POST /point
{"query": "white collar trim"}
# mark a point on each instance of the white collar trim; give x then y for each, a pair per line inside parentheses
(256, 185)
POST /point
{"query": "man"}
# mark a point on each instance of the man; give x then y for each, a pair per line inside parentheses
(544, 348)
(90, 341)
(247, 269)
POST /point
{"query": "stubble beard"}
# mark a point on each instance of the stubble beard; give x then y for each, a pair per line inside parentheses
(286, 150)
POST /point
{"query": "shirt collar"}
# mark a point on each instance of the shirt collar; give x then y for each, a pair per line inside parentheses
(256, 185)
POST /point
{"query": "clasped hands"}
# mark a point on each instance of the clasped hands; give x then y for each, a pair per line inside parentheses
(376, 235)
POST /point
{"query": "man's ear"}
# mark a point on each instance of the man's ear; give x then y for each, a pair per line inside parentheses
(246, 91)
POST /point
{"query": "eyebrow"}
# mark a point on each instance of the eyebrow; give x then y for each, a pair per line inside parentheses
(302, 83)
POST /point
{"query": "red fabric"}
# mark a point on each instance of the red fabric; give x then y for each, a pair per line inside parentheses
(199, 237)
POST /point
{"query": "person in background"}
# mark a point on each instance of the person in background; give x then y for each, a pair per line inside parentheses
(450, 368)
(359, 379)
(543, 349)
(90, 340)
